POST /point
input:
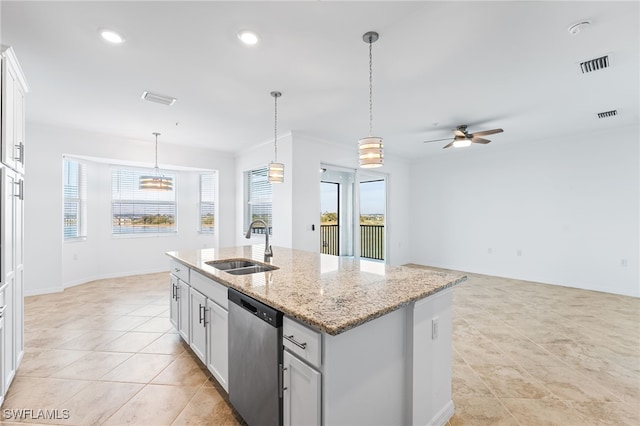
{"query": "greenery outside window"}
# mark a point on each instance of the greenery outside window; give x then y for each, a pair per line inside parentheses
(258, 199)
(207, 221)
(75, 199)
(143, 212)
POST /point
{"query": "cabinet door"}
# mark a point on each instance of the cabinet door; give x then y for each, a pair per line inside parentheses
(173, 301)
(18, 102)
(218, 343)
(301, 397)
(198, 324)
(8, 114)
(18, 256)
(8, 361)
(184, 317)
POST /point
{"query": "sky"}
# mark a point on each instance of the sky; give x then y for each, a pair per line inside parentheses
(372, 196)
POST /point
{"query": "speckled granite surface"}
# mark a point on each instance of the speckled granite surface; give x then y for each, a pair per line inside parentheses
(331, 294)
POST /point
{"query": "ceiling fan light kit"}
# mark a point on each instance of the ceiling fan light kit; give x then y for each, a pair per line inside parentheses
(462, 138)
(370, 149)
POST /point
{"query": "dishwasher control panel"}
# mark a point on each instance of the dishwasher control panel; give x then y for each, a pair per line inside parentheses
(259, 309)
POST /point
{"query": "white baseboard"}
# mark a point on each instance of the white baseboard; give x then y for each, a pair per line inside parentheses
(442, 417)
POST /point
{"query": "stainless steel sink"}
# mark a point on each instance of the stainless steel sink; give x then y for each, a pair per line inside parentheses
(240, 266)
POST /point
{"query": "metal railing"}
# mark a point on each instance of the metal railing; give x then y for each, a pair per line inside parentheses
(371, 241)
(330, 239)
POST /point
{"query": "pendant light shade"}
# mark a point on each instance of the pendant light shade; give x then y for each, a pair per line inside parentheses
(156, 182)
(275, 172)
(370, 149)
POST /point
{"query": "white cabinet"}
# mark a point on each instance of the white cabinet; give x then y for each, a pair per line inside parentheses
(14, 88)
(199, 311)
(198, 324)
(184, 310)
(301, 395)
(174, 310)
(218, 343)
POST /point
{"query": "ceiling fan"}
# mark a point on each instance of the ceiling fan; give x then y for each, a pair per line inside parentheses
(463, 138)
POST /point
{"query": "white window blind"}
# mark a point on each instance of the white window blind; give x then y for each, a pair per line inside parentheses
(208, 182)
(75, 199)
(136, 211)
(258, 190)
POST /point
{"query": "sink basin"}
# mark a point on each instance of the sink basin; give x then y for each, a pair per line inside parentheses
(225, 265)
(240, 266)
(250, 270)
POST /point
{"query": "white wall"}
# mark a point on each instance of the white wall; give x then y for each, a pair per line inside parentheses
(296, 203)
(52, 264)
(569, 206)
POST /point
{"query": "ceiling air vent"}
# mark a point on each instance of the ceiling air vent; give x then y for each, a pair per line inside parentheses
(161, 99)
(607, 114)
(595, 64)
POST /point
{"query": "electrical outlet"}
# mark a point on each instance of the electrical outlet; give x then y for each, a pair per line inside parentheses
(623, 262)
(75, 256)
(434, 328)
(519, 252)
(489, 250)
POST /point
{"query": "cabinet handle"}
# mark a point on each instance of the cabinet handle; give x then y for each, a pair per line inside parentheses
(20, 194)
(202, 311)
(174, 292)
(282, 387)
(2, 311)
(295, 342)
(20, 157)
(176, 269)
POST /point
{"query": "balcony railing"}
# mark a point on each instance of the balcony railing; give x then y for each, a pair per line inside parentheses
(371, 240)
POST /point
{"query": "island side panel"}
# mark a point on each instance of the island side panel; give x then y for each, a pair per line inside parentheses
(364, 373)
(430, 358)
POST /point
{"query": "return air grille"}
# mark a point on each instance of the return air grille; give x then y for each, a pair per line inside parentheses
(161, 99)
(594, 64)
(606, 114)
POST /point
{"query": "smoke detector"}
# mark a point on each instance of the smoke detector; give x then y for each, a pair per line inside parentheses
(578, 26)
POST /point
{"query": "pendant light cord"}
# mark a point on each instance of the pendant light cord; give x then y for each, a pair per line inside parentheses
(157, 151)
(370, 88)
(275, 129)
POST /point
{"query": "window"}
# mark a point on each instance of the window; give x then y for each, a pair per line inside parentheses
(75, 199)
(258, 197)
(207, 202)
(136, 211)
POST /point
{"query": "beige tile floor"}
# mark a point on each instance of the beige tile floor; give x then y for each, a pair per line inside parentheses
(524, 354)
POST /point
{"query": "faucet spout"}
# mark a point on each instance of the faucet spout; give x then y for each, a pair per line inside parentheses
(268, 252)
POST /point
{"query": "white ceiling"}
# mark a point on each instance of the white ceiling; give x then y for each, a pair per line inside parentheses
(437, 65)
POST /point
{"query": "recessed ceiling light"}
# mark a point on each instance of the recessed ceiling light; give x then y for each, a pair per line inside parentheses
(248, 37)
(111, 36)
(578, 26)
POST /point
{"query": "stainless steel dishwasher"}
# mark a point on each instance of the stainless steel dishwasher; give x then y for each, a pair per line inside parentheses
(255, 360)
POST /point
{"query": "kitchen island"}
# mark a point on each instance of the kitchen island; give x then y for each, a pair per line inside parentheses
(377, 338)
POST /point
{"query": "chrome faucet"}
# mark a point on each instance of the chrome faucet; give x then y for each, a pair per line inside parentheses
(268, 253)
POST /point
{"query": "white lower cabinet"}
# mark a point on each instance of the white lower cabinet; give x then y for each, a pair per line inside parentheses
(198, 324)
(218, 343)
(174, 310)
(301, 396)
(184, 310)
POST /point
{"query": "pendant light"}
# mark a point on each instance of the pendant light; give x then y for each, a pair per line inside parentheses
(156, 182)
(370, 148)
(275, 173)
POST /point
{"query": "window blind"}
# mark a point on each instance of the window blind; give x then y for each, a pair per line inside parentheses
(75, 199)
(258, 199)
(208, 182)
(136, 211)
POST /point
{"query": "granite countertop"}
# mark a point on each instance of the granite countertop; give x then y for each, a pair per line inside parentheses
(329, 293)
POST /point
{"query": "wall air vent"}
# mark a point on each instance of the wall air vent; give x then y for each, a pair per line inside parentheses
(594, 64)
(607, 114)
(161, 99)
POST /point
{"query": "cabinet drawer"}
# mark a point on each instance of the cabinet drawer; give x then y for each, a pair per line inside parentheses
(210, 288)
(302, 341)
(179, 270)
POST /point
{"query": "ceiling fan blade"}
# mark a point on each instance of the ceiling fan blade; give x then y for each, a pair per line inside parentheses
(487, 132)
(479, 140)
(448, 145)
(459, 132)
(437, 140)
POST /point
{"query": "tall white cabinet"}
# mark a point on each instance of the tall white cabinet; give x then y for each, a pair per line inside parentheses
(13, 89)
